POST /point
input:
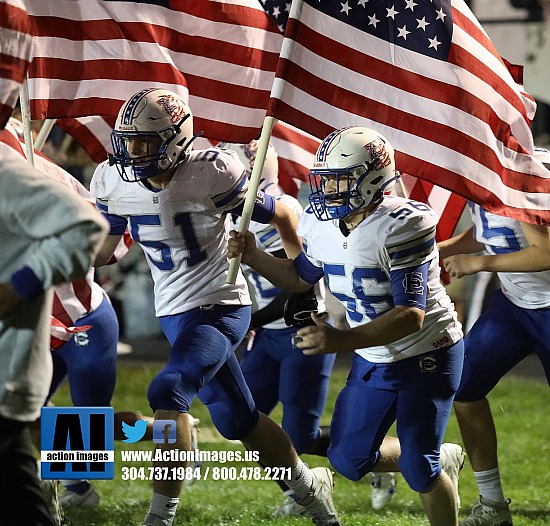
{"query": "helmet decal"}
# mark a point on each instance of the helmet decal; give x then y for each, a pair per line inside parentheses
(173, 107)
(380, 157)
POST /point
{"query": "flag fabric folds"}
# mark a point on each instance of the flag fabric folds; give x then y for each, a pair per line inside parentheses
(91, 55)
(15, 51)
(424, 74)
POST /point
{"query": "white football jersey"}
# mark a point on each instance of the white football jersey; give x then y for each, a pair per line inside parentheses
(268, 240)
(499, 235)
(399, 234)
(183, 229)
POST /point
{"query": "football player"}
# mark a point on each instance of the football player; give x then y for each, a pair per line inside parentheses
(177, 204)
(48, 237)
(515, 324)
(272, 368)
(380, 260)
(88, 360)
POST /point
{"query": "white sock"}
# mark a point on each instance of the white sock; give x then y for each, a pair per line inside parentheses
(489, 485)
(164, 507)
(301, 481)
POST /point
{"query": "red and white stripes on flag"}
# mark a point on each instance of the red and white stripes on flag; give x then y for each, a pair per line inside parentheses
(425, 75)
(447, 205)
(15, 52)
(91, 55)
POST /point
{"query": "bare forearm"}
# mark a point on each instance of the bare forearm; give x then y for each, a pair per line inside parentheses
(529, 259)
(107, 250)
(461, 244)
(280, 272)
(390, 327)
(286, 223)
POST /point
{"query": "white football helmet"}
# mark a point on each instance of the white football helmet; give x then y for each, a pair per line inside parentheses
(357, 165)
(269, 179)
(153, 133)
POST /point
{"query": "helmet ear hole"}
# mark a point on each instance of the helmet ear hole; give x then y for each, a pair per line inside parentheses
(377, 181)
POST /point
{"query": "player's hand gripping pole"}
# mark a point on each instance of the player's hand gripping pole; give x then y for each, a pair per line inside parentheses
(263, 144)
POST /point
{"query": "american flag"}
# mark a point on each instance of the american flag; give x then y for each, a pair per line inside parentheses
(15, 50)
(425, 74)
(447, 205)
(73, 76)
(91, 55)
(278, 10)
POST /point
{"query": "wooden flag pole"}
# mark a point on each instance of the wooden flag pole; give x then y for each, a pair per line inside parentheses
(253, 185)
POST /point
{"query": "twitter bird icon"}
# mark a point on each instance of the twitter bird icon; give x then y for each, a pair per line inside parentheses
(134, 433)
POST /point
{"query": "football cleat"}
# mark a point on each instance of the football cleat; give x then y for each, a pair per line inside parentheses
(318, 503)
(383, 489)
(289, 507)
(72, 499)
(489, 513)
(452, 461)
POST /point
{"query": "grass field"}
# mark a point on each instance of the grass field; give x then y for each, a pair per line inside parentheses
(521, 414)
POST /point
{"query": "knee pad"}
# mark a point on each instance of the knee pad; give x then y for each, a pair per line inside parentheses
(418, 470)
(352, 469)
(166, 391)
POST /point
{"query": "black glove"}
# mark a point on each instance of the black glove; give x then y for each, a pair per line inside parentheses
(298, 308)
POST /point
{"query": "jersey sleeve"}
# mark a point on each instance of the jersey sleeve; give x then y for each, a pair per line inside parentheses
(229, 182)
(64, 231)
(101, 187)
(410, 246)
(411, 241)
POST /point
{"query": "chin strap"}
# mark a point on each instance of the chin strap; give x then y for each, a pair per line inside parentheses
(184, 152)
(344, 228)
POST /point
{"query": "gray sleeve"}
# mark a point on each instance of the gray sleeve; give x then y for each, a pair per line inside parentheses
(58, 232)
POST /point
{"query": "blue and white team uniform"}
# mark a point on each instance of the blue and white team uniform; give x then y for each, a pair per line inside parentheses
(273, 369)
(517, 321)
(389, 259)
(183, 230)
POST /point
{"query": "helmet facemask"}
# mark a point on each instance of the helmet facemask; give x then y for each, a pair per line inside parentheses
(335, 192)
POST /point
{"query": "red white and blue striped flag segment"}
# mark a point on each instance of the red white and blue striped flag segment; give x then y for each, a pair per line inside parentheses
(425, 74)
(15, 51)
(91, 55)
(219, 55)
